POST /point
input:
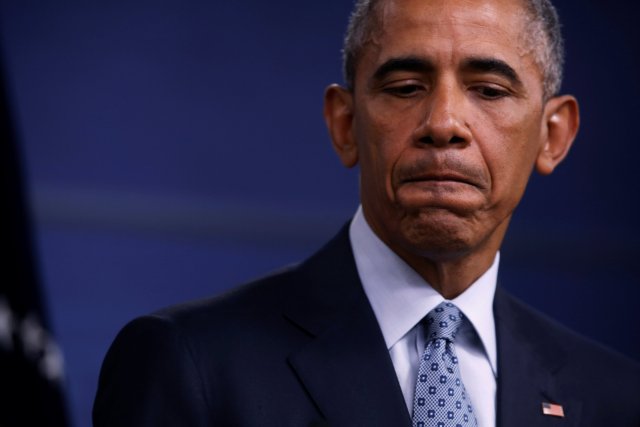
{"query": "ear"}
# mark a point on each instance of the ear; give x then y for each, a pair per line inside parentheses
(338, 114)
(561, 121)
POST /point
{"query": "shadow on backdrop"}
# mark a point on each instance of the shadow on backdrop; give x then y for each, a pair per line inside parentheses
(31, 365)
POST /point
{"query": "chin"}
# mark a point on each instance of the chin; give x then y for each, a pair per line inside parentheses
(437, 234)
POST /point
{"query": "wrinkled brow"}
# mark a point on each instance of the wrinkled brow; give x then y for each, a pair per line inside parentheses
(492, 66)
(473, 64)
(405, 63)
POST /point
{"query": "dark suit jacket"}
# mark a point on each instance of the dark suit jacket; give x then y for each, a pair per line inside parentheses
(303, 348)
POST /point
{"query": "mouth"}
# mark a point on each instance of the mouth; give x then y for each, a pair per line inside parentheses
(449, 191)
(440, 177)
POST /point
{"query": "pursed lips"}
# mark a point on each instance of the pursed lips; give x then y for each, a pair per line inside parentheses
(443, 177)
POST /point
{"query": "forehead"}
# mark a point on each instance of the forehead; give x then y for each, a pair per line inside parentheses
(478, 12)
(450, 30)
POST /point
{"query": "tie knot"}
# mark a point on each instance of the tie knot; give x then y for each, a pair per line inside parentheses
(444, 321)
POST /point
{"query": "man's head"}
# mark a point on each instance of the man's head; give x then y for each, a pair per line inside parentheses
(447, 115)
(542, 34)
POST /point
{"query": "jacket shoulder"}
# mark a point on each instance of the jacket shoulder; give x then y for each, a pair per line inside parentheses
(605, 381)
(542, 328)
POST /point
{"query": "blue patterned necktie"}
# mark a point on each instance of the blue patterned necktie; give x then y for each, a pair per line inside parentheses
(441, 399)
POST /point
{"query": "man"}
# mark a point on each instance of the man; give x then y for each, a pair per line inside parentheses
(449, 106)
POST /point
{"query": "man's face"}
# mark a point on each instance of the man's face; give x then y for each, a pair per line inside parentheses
(448, 120)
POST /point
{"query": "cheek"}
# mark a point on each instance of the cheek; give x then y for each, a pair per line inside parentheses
(382, 139)
(510, 148)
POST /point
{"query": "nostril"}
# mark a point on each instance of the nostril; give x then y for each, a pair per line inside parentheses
(431, 141)
(426, 140)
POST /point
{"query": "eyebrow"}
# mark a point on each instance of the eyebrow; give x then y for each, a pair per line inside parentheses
(405, 63)
(492, 66)
(475, 64)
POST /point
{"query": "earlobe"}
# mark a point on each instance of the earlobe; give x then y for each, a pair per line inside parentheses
(561, 121)
(338, 114)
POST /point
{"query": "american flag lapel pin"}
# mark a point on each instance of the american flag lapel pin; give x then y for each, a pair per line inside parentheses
(552, 409)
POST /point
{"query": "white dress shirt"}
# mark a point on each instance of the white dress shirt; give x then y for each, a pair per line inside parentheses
(401, 298)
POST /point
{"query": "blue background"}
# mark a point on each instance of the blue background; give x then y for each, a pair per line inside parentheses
(176, 148)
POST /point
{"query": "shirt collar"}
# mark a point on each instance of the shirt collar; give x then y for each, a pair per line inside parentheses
(400, 298)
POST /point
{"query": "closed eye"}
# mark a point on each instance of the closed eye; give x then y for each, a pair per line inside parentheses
(491, 92)
(403, 90)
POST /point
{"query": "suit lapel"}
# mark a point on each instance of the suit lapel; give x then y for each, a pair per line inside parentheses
(528, 365)
(345, 366)
(348, 373)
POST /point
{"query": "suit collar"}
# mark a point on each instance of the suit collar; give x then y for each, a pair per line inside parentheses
(345, 365)
(529, 361)
(346, 369)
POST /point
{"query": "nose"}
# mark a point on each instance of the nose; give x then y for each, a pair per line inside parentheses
(443, 123)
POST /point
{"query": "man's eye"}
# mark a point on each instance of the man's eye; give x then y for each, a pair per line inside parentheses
(489, 92)
(403, 90)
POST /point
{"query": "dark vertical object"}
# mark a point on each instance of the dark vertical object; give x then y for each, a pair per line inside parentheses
(30, 360)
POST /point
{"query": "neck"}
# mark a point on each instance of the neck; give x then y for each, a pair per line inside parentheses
(452, 273)
(450, 278)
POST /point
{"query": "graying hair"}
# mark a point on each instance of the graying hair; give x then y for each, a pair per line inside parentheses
(542, 32)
